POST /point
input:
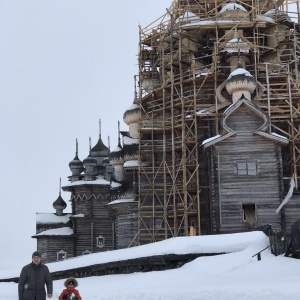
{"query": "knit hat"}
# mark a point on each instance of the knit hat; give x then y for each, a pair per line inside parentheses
(71, 280)
(36, 253)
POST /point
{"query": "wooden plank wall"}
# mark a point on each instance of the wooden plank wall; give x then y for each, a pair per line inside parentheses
(230, 191)
(50, 245)
(92, 200)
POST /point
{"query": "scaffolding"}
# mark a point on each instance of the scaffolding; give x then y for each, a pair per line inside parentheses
(182, 62)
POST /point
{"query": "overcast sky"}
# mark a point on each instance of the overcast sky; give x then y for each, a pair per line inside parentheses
(64, 64)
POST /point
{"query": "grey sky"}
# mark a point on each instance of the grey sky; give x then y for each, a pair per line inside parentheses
(64, 64)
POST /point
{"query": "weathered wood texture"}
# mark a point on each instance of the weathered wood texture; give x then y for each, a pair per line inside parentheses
(91, 218)
(126, 224)
(231, 190)
(49, 246)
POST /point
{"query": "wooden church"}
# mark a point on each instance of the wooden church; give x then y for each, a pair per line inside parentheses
(213, 144)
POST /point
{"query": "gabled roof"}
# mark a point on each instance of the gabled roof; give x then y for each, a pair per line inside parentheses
(243, 101)
(228, 132)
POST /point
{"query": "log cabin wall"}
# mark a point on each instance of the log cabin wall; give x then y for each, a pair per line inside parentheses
(235, 192)
(49, 246)
(126, 224)
(92, 223)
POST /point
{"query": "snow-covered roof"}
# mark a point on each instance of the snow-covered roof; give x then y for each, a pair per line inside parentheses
(264, 18)
(47, 218)
(239, 71)
(57, 231)
(210, 139)
(117, 149)
(120, 201)
(211, 22)
(131, 164)
(274, 137)
(129, 140)
(280, 136)
(98, 181)
(132, 107)
(78, 216)
(115, 184)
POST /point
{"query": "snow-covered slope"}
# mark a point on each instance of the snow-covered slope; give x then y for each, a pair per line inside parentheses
(236, 275)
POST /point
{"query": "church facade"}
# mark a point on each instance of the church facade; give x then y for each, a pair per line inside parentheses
(213, 140)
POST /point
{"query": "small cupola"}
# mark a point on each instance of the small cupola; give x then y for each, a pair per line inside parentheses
(90, 164)
(76, 166)
(132, 116)
(59, 204)
(117, 156)
(117, 159)
(240, 83)
(101, 153)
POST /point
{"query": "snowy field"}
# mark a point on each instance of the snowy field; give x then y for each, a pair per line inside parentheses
(233, 276)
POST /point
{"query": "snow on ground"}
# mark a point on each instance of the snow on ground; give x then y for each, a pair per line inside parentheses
(232, 276)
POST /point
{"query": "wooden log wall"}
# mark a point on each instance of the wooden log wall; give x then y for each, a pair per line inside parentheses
(91, 201)
(264, 189)
(49, 246)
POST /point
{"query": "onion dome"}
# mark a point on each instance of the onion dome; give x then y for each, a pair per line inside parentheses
(131, 117)
(100, 149)
(117, 160)
(234, 12)
(240, 82)
(59, 205)
(90, 164)
(76, 165)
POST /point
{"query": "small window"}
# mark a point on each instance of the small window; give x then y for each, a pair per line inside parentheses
(100, 241)
(86, 252)
(61, 255)
(246, 168)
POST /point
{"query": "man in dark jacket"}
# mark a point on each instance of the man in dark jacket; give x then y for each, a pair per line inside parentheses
(33, 278)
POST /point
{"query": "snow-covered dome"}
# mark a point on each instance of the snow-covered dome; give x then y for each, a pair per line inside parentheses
(240, 83)
(100, 149)
(278, 15)
(187, 17)
(90, 164)
(131, 117)
(89, 161)
(234, 12)
(76, 165)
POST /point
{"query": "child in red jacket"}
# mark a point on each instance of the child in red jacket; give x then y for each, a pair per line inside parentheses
(70, 293)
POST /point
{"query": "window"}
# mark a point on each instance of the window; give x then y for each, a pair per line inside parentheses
(246, 168)
(61, 255)
(100, 241)
(86, 252)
